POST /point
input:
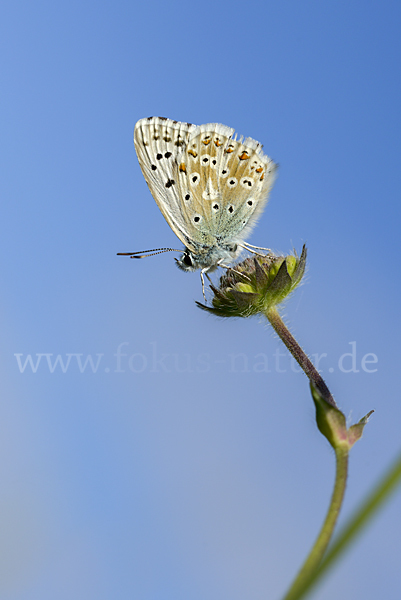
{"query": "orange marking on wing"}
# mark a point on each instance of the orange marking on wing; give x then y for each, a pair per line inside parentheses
(183, 168)
(244, 156)
(193, 153)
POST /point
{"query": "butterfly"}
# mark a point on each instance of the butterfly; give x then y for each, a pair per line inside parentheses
(210, 187)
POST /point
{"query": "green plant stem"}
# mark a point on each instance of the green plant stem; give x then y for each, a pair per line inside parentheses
(306, 575)
(309, 569)
(358, 520)
(302, 359)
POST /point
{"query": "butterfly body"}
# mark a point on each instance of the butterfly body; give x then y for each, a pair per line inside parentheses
(210, 187)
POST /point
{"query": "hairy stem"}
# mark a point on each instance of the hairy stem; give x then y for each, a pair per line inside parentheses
(302, 359)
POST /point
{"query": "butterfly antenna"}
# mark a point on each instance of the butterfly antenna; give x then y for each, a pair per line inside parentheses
(146, 253)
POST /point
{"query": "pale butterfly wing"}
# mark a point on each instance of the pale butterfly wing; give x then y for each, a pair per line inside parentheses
(158, 141)
(210, 187)
(197, 174)
(224, 183)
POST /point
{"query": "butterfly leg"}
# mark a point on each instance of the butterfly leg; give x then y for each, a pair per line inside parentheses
(257, 247)
(202, 273)
(234, 271)
(253, 251)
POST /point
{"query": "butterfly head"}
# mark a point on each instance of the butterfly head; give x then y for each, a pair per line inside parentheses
(208, 258)
(188, 261)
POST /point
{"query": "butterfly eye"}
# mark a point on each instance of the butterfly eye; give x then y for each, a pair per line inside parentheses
(187, 260)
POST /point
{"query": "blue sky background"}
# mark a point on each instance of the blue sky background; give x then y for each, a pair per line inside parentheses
(192, 475)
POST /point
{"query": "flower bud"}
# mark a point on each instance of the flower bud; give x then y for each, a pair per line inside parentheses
(256, 284)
